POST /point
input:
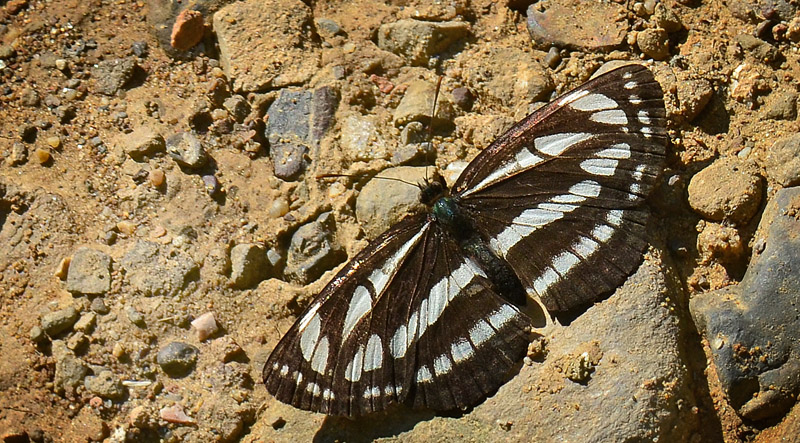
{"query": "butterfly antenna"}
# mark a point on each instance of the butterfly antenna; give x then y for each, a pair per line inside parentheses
(433, 116)
(356, 176)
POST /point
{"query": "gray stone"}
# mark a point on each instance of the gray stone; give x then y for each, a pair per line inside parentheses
(783, 161)
(186, 150)
(418, 41)
(323, 109)
(86, 323)
(759, 49)
(288, 160)
(135, 316)
(112, 75)
(106, 385)
(99, 306)
(37, 334)
(249, 265)
(237, 107)
(29, 97)
(412, 133)
(361, 140)
(283, 50)
(89, 272)
(693, 96)
(781, 106)
(70, 370)
(62, 320)
(153, 270)
(665, 18)
(177, 359)
(328, 28)
(144, 141)
(289, 117)
(752, 327)
(383, 202)
(554, 23)
(18, 155)
(312, 251)
(728, 189)
(654, 43)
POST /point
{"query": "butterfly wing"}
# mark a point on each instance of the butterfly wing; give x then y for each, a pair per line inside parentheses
(560, 194)
(409, 320)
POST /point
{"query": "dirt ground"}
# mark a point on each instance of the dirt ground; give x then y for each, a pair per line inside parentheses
(77, 187)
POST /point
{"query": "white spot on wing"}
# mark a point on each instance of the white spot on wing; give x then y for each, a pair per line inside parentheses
(547, 279)
(585, 247)
(500, 317)
(522, 160)
(284, 370)
(556, 144)
(461, 350)
(600, 166)
(564, 262)
(373, 357)
(353, 370)
(309, 336)
(314, 389)
(442, 365)
(644, 117)
(360, 305)
(327, 394)
(481, 332)
(614, 217)
(593, 102)
(635, 99)
(319, 361)
(619, 151)
(602, 232)
(398, 345)
(630, 85)
(610, 117)
(424, 375)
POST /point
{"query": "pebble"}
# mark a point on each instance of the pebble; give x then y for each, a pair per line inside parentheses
(54, 142)
(597, 29)
(579, 369)
(417, 103)
(463, 98)
(418, 41)
(112, 75)
(106, 385)
(153, 270)
(42, 156)
(654, 43)
(312, 251)
(37, 334)
(665, 18)
(177, 359)
(18, 155)
(249, 265)
(89, 272)
(288, 160)
(77, 341)
(126, 227)
(139, 49)
(175, 414)
(143, 141)
(553, 57)
(29, 97)
(139, 417)
(328, 28)
(383, 203)
(237, 107)
(135, 316)
(86, 323)
(781, 106)
(782, 162)
(211, 185)
(70, 370)
(61, 64)
(721, 242)
(761, 50)
(693, 96)
(412, 133)
(156, 177)
(324, 102)
(205, 326)
(186, 150)
(62, 269)
(728, 189)
(278, 208)
(118, 350)
(99, 306)
(187, 30)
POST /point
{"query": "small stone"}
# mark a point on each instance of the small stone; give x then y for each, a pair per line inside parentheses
(18, 155)
(311, 251)
(139, 417)
(237, 107)
(328, 28)
(29, 97)
(414, 132)
(781, 106)
(61, 64)
(106, 385)
(60, 321)
(152, 270)
(135, 316)
(249, 265)
(553, 57)
(783, 161)
(278, 208)
(112, 75)
(143, 141)
(324, 102)
(693, 96)
(597, 29)
(54, 142)
(747, 83)
(37, 334)
(77, 341)
(288, 160)
(187, 30)
(175, 414)
(139, 49)
(62, 270)
(7, 51)
(417, 104)
(118, 351)
(211, 185)
(70, 370)
(759, 49)
(177, 359)
(99, 306)
(793, 30)
(721, 242)
(728, 189)
(463, 98)
(654, 43)
(86, 323)
(205, 326)
(126, 227)
(156, 177)
(186, 150)
(383, 202)
(579, 369)
(42, 156)
(418, 41)
(665, 18)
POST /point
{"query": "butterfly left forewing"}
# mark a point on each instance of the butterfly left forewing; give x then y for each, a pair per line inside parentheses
(559, 196)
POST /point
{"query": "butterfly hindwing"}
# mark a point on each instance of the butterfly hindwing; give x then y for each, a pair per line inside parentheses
(559, 195)
(409, 320)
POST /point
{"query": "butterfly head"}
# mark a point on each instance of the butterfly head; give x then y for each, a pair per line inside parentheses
(432, 189)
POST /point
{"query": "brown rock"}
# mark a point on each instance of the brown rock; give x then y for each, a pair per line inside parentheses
(187, 30)
(728, 189)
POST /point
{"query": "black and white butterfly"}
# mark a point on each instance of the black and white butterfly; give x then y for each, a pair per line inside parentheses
(428, 315)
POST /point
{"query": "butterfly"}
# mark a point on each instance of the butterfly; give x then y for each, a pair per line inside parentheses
(430, 313)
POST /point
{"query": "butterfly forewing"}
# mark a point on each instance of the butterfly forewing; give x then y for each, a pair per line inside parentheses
(374, 338)
(559, 196)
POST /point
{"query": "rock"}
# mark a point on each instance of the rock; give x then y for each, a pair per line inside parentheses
(249, 265)
(106, 385)
(383, 203)
(99, 306)
(29, 97)
(782, 162)
(77, 342)
(62, 320)
(721, 242)
(693, 96)
(747, 82)
(288, 131)
(139, 417)
(177, 359)
(153, 270)
(89, 272)
(175, 414)
(139, 49)
(323, 109)
(666, 19)
(187, 30)
(361, 140)
(728, 189)
(18, 155)
(312, 251)
(70, 370)
(211, 185)
(135, 316)
(781, 106)
(418, 41)
(759, 49)
(284, 50)
(186, 150)
(86, 323)
(205, 326)
(752, 327)
(112, 75)
(413, 133)
(288, 159)
(576, 24)
(463, 98)
(417, 104)
(510, 76)
(328, 28)
(237, 107)
(654, 43)
(143, 141)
